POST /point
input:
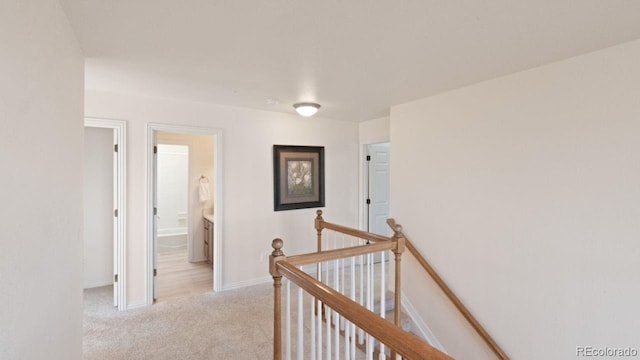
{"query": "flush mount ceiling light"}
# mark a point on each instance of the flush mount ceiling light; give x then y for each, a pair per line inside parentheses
(306, 108)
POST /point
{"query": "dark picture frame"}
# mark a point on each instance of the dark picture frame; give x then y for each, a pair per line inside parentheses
(298, 177)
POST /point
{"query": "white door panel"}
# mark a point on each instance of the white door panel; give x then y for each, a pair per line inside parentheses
(155, 216)
(379, 188)
(116, 219)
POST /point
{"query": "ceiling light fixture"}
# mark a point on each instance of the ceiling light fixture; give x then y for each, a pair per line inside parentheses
(306, 108)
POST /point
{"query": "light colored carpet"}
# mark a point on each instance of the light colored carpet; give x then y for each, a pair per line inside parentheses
(235, 324)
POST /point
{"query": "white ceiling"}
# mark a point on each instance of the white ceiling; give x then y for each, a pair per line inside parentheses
(356, 57)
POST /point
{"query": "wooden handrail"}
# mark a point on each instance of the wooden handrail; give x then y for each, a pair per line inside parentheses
(321, 224)
(406, 344)
(450, 294)
(339, 253)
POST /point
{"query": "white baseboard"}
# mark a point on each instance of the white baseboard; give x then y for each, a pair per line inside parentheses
(424, 330)
(245, 283)
(95, 284)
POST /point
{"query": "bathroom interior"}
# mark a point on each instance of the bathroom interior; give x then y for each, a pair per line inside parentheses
(185, 172)
(173, 181)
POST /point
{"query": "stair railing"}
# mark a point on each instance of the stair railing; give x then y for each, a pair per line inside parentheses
(341, 322)
(329, 242)
(493, 345)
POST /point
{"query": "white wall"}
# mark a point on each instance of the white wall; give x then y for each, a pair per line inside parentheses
(524, 193)
(374, 131)
(98, 207)
(201, 162)
(41, 108)
(248, 220)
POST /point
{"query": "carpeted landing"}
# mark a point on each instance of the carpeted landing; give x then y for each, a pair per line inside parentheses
(236, 324)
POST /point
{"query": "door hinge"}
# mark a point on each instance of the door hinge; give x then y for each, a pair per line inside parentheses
(115, 213)
(115, 147)
(368, 157)
(155, 272)
(368, 201)
(155, 211)
(155, 149)
(115, 278)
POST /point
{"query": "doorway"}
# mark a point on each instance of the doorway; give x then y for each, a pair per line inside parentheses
(104, 207)
(377, 188)
(173, 198)
(183, 173)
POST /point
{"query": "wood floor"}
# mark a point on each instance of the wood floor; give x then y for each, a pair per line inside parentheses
(178, 278)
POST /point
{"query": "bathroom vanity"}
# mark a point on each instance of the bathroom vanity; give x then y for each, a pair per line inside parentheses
(208, 238)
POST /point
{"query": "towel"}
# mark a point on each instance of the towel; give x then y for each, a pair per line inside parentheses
(203, 190)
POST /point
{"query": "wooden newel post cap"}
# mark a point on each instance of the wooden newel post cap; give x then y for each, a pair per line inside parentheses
(277, 245)
(319, 213)
(398, 228)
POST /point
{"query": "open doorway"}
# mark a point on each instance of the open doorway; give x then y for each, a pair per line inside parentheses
(183, 206)
(173, 199)
(104, 210)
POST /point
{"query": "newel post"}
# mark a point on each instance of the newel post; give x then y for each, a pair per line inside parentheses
(400, 241)
(318, 225)
(277, 255)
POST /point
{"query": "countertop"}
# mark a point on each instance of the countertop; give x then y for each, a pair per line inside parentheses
(208, 217)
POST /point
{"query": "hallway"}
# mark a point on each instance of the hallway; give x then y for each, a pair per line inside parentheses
(234, 324)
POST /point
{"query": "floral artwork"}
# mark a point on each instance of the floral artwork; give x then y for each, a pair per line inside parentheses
(298, 177)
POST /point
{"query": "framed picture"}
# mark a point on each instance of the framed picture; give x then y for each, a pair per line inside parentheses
(298, 177)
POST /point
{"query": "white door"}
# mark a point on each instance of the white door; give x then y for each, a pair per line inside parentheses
(378, 197)
(155, 217)
(116, 217)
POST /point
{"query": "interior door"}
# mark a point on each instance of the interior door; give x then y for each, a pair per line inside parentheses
(116, 219)
(155, 216)
(378, 204)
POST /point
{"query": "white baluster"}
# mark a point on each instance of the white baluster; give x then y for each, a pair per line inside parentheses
(347, 340)
(343, 284)
(370, 289)
(353, 341)
(370, 294)
(328, 326)
(317, 316)
(313, 329)
(327, 315)
(300, 326)
(360, 332)
(352, 329)
(383, 310)
(336, 316)
(319, 332)
(288, 322)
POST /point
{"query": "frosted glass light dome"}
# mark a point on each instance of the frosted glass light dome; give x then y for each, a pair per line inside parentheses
(306, 109)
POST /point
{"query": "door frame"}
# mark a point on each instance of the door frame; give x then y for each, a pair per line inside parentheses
(152, 129)
(119, 128)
